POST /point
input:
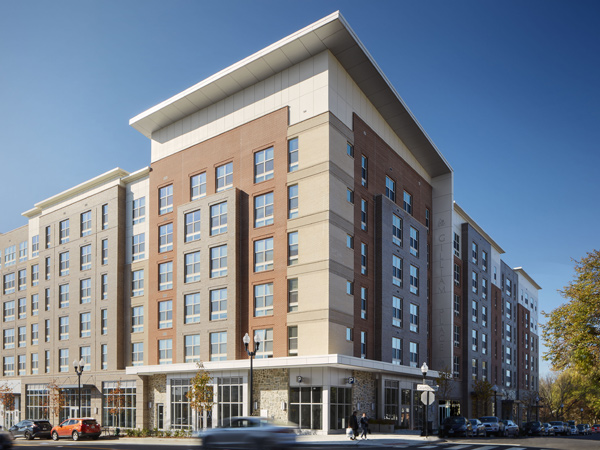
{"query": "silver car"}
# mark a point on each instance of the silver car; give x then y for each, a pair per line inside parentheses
(510, 428)
(248, 433)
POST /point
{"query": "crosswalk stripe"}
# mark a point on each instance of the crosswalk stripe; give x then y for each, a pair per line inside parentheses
(459, 447)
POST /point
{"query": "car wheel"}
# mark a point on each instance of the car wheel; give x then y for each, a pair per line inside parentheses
(28, 436)
(55, 436)
(75, 436)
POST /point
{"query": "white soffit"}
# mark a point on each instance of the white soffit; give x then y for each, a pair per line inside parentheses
(330, 33)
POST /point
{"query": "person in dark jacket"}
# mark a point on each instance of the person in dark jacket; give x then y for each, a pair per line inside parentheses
(353, 423)
(364, 426)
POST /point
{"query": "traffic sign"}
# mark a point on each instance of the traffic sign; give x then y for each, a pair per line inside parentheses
(427, 398)
(426, 387)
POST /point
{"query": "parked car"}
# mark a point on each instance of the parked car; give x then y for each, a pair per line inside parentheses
(534, 428)
(30, 429)
(478, 428)
(584, 429)
(573, 431)
(567, 427)
(559, 427)
(596, 428)
(493, 425)
(76, 429)
(549, 430)
(510, 428)
(248, 432)
(456, 426)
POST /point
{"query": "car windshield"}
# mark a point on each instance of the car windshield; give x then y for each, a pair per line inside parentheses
(488, 419)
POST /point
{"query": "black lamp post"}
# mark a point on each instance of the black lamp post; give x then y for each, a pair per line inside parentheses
(495, 389)
(79, 366)
(424, 369)
(246, 340)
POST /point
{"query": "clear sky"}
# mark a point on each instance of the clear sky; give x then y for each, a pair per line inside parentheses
(509, 91)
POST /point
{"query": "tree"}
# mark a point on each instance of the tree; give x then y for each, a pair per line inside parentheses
(200, 394)
(572, 332)
(115, 401)
(7, 397)
(56, 399)
(444, 382)
(482, 391)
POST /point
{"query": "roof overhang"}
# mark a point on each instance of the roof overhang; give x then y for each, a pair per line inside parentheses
(331, 33)
(524, 274)
(480, 230)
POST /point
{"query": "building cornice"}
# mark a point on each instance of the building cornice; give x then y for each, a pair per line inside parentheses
(480, 230)
(525, 275)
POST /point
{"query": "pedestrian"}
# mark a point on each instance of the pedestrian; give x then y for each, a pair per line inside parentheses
(364, 426)
(353, 423)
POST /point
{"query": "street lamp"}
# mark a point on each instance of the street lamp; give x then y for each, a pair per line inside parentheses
(581, 415)
(562, 405)
(424, 369)
(495, 389)
(78, 366)
(246, 340)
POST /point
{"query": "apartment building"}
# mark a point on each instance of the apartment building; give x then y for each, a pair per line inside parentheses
(291, 197)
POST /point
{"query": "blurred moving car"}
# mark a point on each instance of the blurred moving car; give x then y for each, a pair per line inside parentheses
(559, 427)
(6, 440)
(30, 429)
(76, 429)
(493, 425)
(478, 428)
(510, 428)
(549, 430)
(248, 433)
(533, 428)
(456, 426)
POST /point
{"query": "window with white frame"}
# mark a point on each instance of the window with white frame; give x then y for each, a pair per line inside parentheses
(266, 345)
(9, 339)
(9, 311)
(104, 216)
(484, 288)
(218, 346)
(64, 231)
(414, 280)
(63, 328)
(63, 296)
(224, 177)
(263, 300)
(456, 336)
(23, 251)
(263, 255)
(407, 203)
(218, 261)
(10, 256)
(192, 348)
(474, 253)
(48, 236)
(165, 199)
(218, 219)
(137, 319)
(474, 310)
(22, 365)
(104, 252)
(192, 226)
(165, 351)
(396, 270)
(137, 283)
(48, 267)
(138, 246)
(474, 282)
(34, 364)
(35, 245)
(104, 322)
(456, 304)
(456, 245)
(263, 210)
(22, 337)
(104, 286)
(396, 351)
(396, 230)
(192, 267)
(218, 304)
(9, 283)
(198, 186)
(414, 318)
(165, 238)
(396, 311)
(35, 304)
(263, 165)
(165, 276)
(64, 263)
(414, 241)
(484, 260)
(85, 324)
(292, 284)
(104, 357)
(192, 308)
(85, 290)
(35, 334)
(137, 354)
(293, 155)
(456, 274)
(86, 223)
(292, 248)
(484, 316)
(139, 210)
(85, 257)
(293, 341)
(293, 201)
(22, 277)
(484, 345)
(474, 340)
(165, 314)
(414, 354)
(390, 189)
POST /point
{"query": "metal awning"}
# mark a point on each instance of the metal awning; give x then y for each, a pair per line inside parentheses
(75, 386)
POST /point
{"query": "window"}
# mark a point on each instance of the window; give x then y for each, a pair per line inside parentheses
(137, 319)
(349, 149)
(165, 238)
(263, 255)
(137, 283)
(408, 203)
(414, 318)
(414, 242)
(35, 304)
(263, 300)
(396, 351)
(474, 252)
(139, 210)
(508, 333)
(349, 241)
(390, 189)
(474, 340)
(396, 271)
(484, 316)
(218, 261)
(508, 310)
(292, 249)
(63, 296)
(508, 356)
(397, 311)
(293, 201)
(218, 346)
(427, 218)
(218, 219)
(218, 304)
(198, 186)
(224, 177)
(10, 257)
(63, 328)
(263, 165)
(48, 236)
(293, 341)
(22, 365)
(137, 354)
(484, 260)
(363, 170)
(23, 251)
(363, 258)
(456, 304)
(474, 282)
(456, 336)
(349, 287)
(9, 283)
(349, 334)
(349, 195)
(266, 346)
(64, 231)
(363, 302)
(47, 361)
(47, 299)
(22, 337)
(396, 230)
(456, 366)
(293, 155)
(48, 267)
(165, 275)
(165, 199)
(35, 245)
(474, 369)
(165, 351)
(85, 325)
(414, 280)
(9, 339)
(292, 294)
(64, 263)
(85, 257)
(86, 223)
(263, 210)
(138, 246)
(22, 274)
(363, 214)
(104, 286)
(457, 274)
(192, 226)
(484, 288)
(104, 321)
(34, 364)
(508, 287)
(484, 345)
(165, 314)
(192, 348)
(9, 366)
(9, 311)
(474, 311)
(192, 267)
(457, 245)
(414, 354)
(104, 216)
(192, 308)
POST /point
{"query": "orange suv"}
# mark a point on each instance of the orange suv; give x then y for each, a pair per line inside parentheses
(76, 428)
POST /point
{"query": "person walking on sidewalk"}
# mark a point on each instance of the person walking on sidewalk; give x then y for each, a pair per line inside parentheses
(364, 426)
(353, 423)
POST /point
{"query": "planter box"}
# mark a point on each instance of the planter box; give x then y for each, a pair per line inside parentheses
(386, 428)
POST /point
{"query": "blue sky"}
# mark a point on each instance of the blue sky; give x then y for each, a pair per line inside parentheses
(507, 90)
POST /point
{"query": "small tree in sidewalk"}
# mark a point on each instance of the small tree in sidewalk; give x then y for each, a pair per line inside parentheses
(115, 401)
(56, 399)
(200, 394)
